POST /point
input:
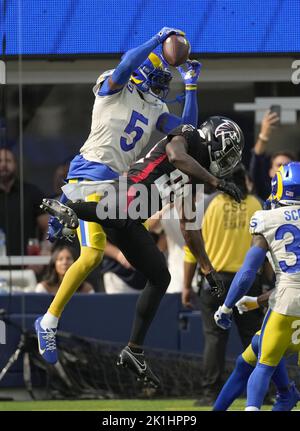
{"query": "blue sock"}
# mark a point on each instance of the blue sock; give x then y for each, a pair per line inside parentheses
(280, 377)
(258, 385)
(235, 385)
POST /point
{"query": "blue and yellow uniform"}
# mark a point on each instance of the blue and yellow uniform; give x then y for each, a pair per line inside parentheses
(123, 119)
(278, 231)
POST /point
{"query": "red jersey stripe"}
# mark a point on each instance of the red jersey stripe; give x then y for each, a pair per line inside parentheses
(148, 169)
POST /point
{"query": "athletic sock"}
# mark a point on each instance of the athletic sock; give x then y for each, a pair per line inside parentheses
(234, 386)
(281, 378)
(258, 385)
(49, 321)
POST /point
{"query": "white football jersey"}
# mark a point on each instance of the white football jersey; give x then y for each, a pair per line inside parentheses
(121, 127)
(281, 229)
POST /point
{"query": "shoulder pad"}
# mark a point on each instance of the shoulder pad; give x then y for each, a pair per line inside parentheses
(257, 223)
(187, 128)
(101, 79)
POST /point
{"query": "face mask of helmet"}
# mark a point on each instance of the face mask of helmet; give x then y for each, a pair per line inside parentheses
(155, 81)
(224, 157)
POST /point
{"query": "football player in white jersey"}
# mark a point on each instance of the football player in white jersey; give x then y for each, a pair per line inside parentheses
(129, 105)
(277, 231)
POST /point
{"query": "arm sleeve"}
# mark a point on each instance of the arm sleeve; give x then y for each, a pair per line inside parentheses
(130, 61)
(190, 110)
(245, 277)
(167, 122)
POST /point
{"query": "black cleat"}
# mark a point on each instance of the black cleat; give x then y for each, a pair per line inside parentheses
(65, 215)
(136, 362)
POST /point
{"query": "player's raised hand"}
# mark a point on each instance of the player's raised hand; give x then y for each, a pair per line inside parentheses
(190, 71)
(230, 189)
(165, 32)
(223, 317)
(247, 303)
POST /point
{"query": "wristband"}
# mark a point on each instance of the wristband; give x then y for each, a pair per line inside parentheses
(225, 309)
(191, 87)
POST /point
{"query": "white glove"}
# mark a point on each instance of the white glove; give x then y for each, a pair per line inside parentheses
(223, 317)
(247, 303)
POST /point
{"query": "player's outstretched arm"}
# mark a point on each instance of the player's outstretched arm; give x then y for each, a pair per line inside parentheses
(190, 73)
(177, 154)
(243, 280)
(133, 59)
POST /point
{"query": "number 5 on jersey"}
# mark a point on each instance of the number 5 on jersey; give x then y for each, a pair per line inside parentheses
(132, 127)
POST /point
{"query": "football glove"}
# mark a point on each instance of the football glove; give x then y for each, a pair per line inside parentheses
(57, 231)
(247, 303)
(223, 317)
(216, 284)
(165, 32)
(191, 72)
(230, 189)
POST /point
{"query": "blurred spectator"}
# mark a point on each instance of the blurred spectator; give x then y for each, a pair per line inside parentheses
(118, 275)
(167, 221)
(225, 231)
(263, 166)
(35, 221)
(59, 178)
(61, 260)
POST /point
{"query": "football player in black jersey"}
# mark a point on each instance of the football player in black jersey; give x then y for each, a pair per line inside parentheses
(185, 156)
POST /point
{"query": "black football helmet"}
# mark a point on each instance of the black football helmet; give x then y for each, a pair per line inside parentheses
(225, 143)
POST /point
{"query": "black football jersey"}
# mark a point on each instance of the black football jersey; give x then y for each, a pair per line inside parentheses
(155, 164)
(160, 177)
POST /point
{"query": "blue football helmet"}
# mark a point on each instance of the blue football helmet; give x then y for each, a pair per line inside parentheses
(153, 77)
(286, 185)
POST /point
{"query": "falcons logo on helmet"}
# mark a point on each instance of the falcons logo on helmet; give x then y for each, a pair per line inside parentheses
(228, 128)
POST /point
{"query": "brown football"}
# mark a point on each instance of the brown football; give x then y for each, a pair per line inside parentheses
(176, 50)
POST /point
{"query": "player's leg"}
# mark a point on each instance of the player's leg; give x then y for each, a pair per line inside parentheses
(92, 241)
(237, 381)
(141, 251)
(274, 341)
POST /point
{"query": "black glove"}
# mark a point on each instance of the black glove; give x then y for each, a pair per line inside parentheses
(231, 189)
(216, 284)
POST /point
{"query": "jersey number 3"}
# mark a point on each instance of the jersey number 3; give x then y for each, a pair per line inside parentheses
(132, 127)
(293, 247)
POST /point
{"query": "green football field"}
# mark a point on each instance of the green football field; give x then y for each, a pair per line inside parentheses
(111, 405)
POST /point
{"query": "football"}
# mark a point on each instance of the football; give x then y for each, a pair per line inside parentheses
(176, 50)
